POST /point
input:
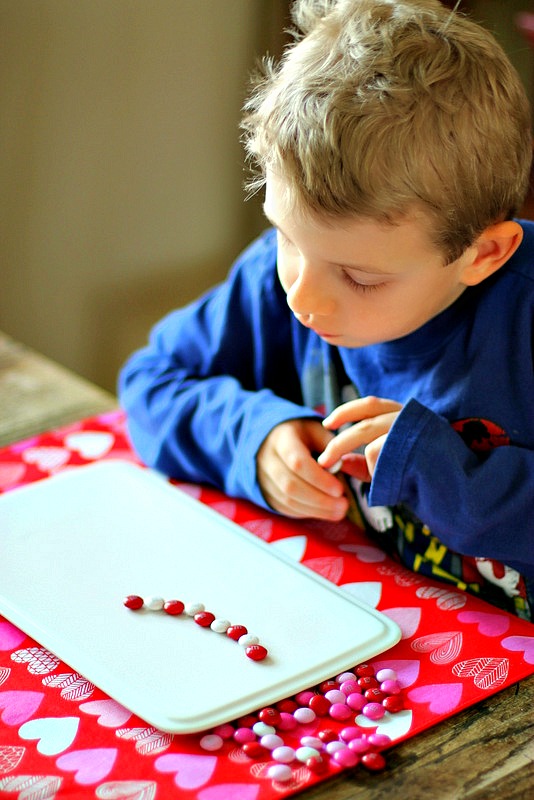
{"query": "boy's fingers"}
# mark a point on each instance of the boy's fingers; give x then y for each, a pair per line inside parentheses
(359, 434)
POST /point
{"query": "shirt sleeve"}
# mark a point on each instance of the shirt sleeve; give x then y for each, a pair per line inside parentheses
(476, 504)
(215, 378)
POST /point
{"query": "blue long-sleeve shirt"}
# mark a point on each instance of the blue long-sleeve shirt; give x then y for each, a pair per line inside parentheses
(218, 375)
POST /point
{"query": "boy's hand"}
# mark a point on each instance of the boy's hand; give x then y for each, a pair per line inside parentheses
(291, 480)
(370, 420)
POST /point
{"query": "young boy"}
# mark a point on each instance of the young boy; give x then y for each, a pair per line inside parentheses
(393, 296)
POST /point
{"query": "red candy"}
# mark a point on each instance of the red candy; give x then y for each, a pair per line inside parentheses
(173, 607)
(236, 631)
(256, 652)
(393, 703)
(317, 765)
(204, 618)
(374, 761)
(368, 682)
(271, 716)
(319, 704)
(254, 750)
(375, 695)
(365, 670)
(133, 601)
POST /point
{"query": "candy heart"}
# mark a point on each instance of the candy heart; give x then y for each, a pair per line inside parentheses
(110, 713)
(368, 592)
(90, 444)
(39, 660)
(89, 766)
(10, 758)
(407, 619)
(407, 669)
(488, 624)
(18, 706)
(127, 790)
(191, 771)
(11, 474)
(442, 698)
(487, 673)
(365, 553)
(443, 647)
(225, 791)
(55, 734)
(524, 643)
(330, 567)
(293, 546)
(10, 637)
(32, 787)
(393, 725)
(46, 458)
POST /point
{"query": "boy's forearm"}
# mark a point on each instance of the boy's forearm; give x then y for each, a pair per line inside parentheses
(480, 506)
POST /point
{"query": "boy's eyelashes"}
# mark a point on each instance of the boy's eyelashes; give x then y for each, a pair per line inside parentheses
(361, 287)
(283, 241)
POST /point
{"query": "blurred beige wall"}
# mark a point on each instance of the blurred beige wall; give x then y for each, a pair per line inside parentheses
(120, 165)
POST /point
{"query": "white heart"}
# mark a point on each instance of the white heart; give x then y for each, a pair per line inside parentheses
(90, 444)
(368, 592)
(55, 734)
(393, 725)
(293, 547)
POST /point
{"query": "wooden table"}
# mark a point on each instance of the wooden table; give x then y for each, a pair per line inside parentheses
(482, 753)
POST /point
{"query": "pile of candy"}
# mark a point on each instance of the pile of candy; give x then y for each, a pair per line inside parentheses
(343, 745)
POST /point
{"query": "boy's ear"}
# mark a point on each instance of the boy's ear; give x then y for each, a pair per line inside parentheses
(491, 250)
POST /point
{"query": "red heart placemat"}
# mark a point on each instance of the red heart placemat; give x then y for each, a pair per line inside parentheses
(61, 736)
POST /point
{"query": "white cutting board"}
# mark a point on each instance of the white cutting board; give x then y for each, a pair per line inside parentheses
(72, 546)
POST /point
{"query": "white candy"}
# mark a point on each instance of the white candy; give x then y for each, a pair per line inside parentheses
(247, 640)
(154, 603)
(193, 608)
(262, 729)
(211, 742)
(280, 772)
(304, 753)
(220, 625)
(271, 741)
(284, 754)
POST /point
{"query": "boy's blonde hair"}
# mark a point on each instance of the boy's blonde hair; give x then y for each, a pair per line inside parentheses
(380, 107)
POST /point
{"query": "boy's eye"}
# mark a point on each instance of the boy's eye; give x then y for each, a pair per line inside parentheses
(361, 287)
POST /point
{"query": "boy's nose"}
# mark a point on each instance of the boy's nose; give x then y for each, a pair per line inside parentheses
(307, 295)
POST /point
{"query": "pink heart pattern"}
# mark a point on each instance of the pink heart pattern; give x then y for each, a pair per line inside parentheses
(441, 698)
(443, 647)
(488, 624)
(90, 766)
(11, 475)
(524, 643)
(191, 771)
(407, 619)
(10, 637)
(45, 458)
(487, 673)
(110, 713)
(18, 706)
